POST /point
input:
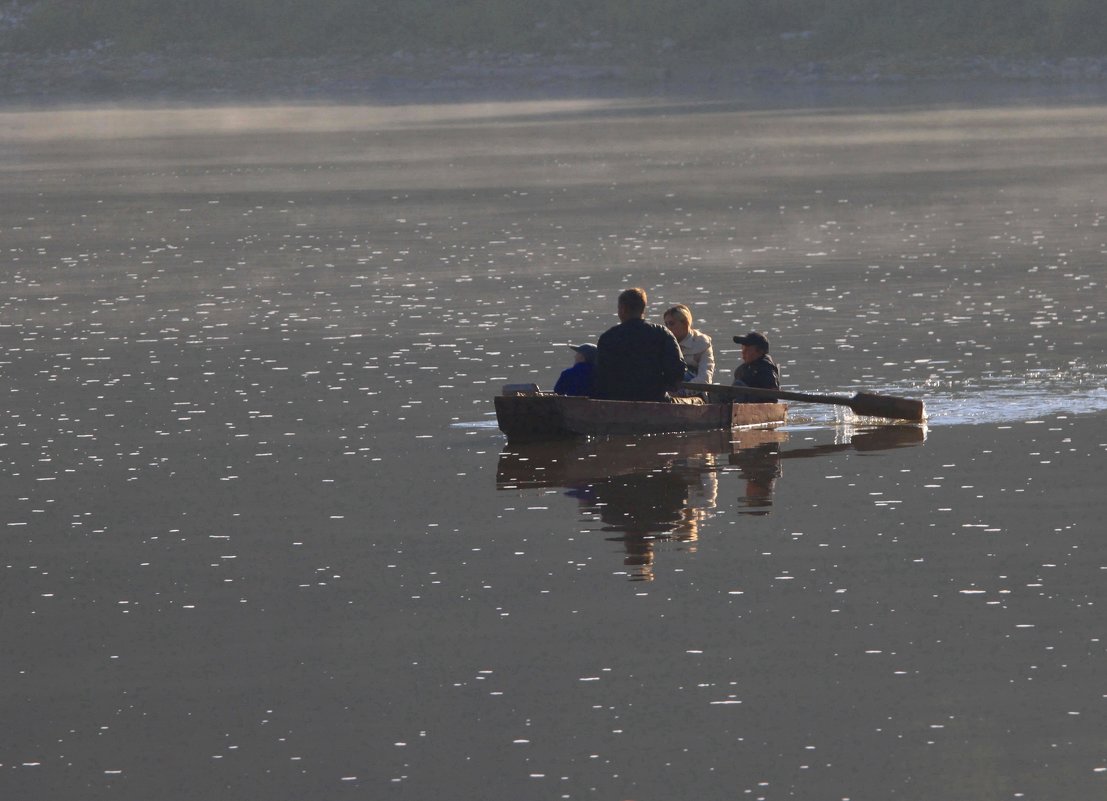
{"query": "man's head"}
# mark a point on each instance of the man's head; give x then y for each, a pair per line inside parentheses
(632, 303)
(678, 320)
(754, 346)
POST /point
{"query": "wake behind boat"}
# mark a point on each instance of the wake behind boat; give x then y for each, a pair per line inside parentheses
(525, 413)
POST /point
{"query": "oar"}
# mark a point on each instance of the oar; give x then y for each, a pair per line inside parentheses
(867, 404)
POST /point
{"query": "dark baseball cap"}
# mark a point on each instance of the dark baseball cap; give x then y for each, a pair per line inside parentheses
(587, 351)
(755, 338)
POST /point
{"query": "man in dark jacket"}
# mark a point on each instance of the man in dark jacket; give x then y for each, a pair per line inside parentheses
(757, 368)
(636, 360)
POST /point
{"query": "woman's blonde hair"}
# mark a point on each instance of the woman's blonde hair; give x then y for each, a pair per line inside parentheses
(680, 312)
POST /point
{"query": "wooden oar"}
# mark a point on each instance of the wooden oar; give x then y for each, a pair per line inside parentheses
(867, 404)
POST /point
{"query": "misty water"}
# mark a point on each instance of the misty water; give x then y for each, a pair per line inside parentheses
(262, 538)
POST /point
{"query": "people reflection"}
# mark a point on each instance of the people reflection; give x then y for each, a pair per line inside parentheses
(760, 467)
(645, 509)
(656, 493)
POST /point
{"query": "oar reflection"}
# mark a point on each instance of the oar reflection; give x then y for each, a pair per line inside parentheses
(649, 491)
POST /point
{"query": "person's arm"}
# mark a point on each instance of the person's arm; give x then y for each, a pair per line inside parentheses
(764, 377)
(599, 375)
(706, 367)
(672, 362)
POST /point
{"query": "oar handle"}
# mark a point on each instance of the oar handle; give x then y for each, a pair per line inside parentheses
(757, 392)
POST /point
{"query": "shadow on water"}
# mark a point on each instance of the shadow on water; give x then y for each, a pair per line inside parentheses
(659, 489)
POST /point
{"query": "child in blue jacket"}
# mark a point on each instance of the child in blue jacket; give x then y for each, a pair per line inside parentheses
(577, 380)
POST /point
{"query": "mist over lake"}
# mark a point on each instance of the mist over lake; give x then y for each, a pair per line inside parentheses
(263, 539)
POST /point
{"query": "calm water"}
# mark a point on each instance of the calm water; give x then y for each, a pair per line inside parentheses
(262, 538)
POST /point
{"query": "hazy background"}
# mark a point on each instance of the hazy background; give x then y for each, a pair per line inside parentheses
(137, 49)
(814, 27)
(262, 539)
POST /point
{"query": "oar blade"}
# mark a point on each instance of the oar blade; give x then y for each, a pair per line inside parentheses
(889, 406)
(866, 404)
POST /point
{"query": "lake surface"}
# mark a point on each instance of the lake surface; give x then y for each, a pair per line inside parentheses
(262, 538)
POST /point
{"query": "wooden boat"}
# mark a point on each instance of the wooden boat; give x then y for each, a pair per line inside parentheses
(524, 413)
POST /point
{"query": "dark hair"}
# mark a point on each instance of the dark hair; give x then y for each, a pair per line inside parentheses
(634, 300)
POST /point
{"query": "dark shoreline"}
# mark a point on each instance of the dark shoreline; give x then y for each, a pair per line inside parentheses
(102, 76)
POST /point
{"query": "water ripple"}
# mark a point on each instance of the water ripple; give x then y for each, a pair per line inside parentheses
(1001, 399)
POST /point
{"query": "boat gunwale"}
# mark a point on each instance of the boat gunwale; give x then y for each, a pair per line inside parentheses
(541, 415)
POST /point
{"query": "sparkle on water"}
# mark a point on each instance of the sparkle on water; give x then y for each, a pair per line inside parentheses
(263, 538)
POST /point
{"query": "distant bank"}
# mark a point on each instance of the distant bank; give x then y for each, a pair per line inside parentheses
(100, 75)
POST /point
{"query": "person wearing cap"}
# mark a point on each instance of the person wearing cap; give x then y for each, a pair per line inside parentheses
(695, 346)
(757, 368)
(637, 360)
(577, 380)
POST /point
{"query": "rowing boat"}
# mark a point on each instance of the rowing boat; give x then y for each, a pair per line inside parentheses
(524, 413)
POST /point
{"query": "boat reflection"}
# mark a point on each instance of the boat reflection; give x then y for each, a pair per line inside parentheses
(645, 491)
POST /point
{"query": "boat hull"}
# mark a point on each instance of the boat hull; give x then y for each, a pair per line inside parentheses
(546, 416)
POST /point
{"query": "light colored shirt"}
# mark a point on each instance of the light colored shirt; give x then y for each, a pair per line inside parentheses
(697, 351)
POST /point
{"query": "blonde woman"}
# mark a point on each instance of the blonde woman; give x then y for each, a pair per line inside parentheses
(695, 346)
